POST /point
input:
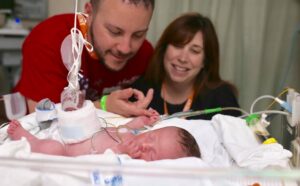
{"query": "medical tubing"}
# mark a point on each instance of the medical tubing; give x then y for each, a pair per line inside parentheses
(267, 112)
(220, 109)
(75, 17)
(278, 96)
(282, 103)
(259, 98)
(235, 108)
(76, 51)
(78, 41)
(105, 129)
(205, 111)
(213, 110)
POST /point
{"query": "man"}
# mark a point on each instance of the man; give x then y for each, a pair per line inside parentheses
(116, 29)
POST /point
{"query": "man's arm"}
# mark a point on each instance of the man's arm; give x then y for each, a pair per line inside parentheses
(31, 105)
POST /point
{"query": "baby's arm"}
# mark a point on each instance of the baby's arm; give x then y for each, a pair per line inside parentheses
(140, 121)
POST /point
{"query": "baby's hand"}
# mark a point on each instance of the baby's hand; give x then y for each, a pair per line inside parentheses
(131, 148)
(153, 112)
(140, 121)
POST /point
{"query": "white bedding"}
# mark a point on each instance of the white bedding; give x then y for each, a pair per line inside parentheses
(224, 142)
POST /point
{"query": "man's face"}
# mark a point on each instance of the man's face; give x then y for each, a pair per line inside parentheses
(117, 31)
(155, 145)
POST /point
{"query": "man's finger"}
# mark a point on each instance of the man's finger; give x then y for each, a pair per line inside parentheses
(136, 111)
(139, 95)
(124, 94)
(146, 101)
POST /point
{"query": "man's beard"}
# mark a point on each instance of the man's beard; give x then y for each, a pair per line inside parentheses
(98, 53)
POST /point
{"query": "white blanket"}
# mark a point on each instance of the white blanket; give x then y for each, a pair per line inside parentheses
(240, 142)
(224, 140)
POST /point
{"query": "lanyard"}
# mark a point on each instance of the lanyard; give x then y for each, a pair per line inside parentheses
(84, 30)
(187, 105)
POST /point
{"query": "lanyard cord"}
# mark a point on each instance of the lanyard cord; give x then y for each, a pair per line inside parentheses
(188, 103)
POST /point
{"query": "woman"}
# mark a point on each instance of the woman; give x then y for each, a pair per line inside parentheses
(184, 70)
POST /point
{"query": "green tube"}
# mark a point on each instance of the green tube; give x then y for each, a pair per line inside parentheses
(213, 110)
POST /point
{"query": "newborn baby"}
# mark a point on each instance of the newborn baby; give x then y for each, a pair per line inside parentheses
(163, 143)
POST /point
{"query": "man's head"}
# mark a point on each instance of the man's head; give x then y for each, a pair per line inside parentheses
(163, 143)
(117, 29)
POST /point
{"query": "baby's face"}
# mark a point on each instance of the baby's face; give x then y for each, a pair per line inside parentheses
(155, 145)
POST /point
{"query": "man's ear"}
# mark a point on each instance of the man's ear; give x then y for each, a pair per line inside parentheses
(88, 8)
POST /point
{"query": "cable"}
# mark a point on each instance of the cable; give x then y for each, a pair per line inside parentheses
(235, 108)
(107, 132)
(201, 112)
(259, 98)
(278, 96)
(93, 149)
(268, 112)
(282, 103)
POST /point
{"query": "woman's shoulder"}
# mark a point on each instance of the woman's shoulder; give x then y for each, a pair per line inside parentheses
(224, 88)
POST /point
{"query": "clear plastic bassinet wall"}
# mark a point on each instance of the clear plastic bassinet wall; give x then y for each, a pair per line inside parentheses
(72, 172)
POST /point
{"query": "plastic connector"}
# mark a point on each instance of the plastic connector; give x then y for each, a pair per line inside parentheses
(284, 105)
(263, 120)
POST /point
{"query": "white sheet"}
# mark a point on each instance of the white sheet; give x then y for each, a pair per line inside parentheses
(219, 147)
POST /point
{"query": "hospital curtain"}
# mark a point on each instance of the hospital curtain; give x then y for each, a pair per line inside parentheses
(255, 40)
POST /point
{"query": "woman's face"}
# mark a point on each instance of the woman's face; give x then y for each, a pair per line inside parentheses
(183, 63)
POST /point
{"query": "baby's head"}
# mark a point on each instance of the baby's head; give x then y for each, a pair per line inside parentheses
(189, 143)
(163, 143)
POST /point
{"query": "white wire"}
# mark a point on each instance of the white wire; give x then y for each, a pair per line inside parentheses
(259, 98)
(77, 47)
(235, 108)
(75, 17)
(269, 112)
(78, 41)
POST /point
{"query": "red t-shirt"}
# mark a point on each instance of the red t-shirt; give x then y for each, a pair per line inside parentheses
(44, 74)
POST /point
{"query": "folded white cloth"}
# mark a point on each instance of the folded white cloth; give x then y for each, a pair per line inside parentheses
(19, 148)
(263, 156)
(242, 145)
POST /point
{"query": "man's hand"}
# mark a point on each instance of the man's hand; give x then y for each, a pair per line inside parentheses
(118, 102)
